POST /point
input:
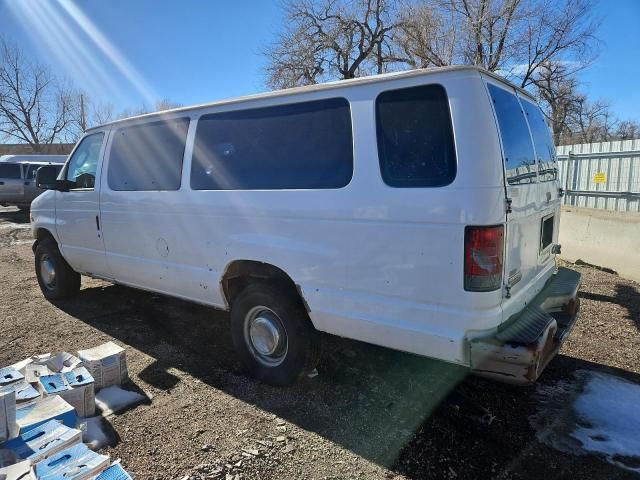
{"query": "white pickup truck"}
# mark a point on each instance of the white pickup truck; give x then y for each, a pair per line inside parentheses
(18, 177)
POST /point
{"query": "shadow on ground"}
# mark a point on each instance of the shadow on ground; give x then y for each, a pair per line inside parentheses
(411, 414)
(14, 216)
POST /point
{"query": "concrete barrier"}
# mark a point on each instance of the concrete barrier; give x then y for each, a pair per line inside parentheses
(602, 237)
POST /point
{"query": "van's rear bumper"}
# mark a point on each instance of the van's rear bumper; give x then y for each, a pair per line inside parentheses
(522, 347)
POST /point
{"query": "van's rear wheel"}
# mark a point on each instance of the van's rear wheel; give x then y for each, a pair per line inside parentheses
(56, 278)
(272, 334)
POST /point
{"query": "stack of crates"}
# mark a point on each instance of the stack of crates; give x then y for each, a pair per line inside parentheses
(42, 400)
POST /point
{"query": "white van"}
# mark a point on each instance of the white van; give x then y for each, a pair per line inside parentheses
(418, 211)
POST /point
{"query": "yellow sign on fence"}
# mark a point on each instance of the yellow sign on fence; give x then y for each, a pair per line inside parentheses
(599, 177)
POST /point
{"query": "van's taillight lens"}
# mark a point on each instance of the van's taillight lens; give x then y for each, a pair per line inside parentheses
(483, 251)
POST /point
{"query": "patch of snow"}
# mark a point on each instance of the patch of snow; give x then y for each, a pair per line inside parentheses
(15, 226)
(610, 407)
(596, 414)
(114, 399)
(96, 432)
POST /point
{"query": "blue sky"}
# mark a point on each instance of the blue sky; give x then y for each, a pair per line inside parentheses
(194, 51)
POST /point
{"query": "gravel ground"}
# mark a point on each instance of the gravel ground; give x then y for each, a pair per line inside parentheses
(370, 413)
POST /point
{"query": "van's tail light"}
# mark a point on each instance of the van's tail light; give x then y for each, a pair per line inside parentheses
(483, 251)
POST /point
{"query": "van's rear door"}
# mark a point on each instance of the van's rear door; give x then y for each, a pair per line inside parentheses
(532, 195)
(11, 183)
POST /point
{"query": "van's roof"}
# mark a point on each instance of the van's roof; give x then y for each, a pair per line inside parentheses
(323, 86)
(44, 159)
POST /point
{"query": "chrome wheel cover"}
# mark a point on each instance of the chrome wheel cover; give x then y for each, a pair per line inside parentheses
(265, 335)
(48, 271)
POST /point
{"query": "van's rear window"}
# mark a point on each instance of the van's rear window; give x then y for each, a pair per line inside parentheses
(415, 137)
(545, 149)
(304, 145)
(9, 170)
(519, 160)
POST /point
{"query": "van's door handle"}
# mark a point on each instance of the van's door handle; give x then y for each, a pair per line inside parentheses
(548, 197)
(97, 223)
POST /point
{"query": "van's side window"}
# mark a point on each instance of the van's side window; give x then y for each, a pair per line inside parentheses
(545, 149)
(297, 146)
(84, 161)
(148, 156)
(520, 164)
(10, 170)
(415, 137)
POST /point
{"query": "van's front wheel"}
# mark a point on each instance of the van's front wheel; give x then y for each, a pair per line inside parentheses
(272, 334)
(56, 278)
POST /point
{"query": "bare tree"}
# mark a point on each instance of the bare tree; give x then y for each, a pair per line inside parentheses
(295, 59)
(102, 113)
(490, 30)
(425, 37)
(539, 44)
(558, 93)
(591, 121)
(34, 107)
(165, 104)
(328, 39)
(159, 105)
(88, 113)
(559, 31)
(515, 37)
(628, 130)
(572, 116)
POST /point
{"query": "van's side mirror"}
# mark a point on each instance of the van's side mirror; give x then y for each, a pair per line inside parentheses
(46, 177)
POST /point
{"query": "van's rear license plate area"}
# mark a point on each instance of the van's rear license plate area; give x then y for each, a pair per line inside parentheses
(546, 232)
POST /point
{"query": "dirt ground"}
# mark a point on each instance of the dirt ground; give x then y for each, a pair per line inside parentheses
(370, 413)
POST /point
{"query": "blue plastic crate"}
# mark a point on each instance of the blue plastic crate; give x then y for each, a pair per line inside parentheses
(33, 414)
(52, 384)
(43, 441)
(114, 472)
(74, 463)
(9, 375)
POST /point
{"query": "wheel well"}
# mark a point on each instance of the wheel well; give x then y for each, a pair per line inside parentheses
(42, 234)
(240, 273)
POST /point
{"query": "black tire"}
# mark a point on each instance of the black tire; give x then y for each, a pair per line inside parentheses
(66, 281)
(24, 208)
(302, 340)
